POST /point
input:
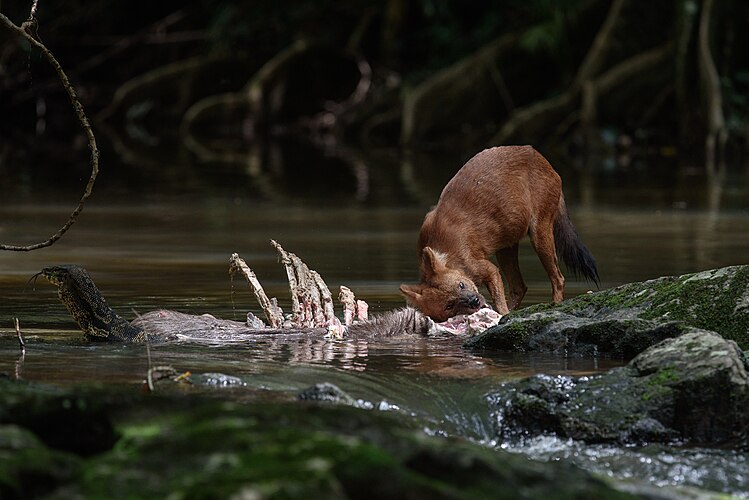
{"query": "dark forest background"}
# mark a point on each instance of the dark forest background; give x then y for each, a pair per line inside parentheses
(667, 78)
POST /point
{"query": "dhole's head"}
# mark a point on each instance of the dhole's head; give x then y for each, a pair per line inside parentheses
(444, 292)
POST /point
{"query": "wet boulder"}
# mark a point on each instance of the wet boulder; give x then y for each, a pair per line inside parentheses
(77, 422)
(693, 389)
(326, 392)
(201, 446)
(28, 468)
(625, 320)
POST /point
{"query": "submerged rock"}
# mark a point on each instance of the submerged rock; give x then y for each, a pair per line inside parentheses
(692, 389)
(326, 392)
(624, 321)
(217, 380)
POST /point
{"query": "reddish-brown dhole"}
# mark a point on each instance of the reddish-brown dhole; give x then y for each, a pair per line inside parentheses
(498, 197)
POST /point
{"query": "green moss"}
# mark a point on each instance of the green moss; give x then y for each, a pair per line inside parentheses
(512, 335)
(712, 300)
(193, 446)
(516, 334)
(303, 451)
(27, 467)
(657, 384)
(708, 303)
(626, 296)
(663, 376)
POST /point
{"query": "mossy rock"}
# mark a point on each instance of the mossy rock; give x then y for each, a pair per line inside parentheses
(625, 320)
(78, 422)
(198, 446)
(28, 468)
(694, 389)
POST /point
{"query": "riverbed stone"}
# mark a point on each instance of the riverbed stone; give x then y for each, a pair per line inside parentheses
(77, 422)
(174, 444)
(693, 389)
(326, 392)
(28, 468)
(627, 319)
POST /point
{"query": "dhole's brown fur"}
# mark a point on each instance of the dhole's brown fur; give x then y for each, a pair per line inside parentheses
(498, 197)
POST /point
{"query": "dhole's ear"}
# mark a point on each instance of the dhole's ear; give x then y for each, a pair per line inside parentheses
(432, 262)
(412, 293)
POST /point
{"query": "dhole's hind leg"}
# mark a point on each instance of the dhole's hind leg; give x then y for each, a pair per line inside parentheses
(508, 265)
(542, 239)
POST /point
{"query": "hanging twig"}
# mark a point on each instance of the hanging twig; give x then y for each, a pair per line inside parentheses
(26, 32)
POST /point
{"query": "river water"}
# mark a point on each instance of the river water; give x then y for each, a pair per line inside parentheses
(158, 234)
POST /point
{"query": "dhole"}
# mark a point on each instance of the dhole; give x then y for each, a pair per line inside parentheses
(497, 198)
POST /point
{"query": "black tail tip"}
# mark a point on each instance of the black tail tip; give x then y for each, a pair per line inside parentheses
(581, 263)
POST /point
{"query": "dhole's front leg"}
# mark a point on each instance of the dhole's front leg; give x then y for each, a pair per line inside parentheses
(509, 268)
(489, 275)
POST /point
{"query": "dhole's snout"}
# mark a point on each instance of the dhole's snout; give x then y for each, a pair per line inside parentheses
(473, 301)
(469, 302)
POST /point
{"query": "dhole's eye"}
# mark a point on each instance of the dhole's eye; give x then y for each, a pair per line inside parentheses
(462, 285)
(449, 306)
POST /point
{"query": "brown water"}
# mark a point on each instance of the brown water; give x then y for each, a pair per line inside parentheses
(160, 235)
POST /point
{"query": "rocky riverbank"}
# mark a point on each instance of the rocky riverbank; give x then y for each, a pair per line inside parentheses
(115, 443)
(625, 320)
(686, 386)
(691, 390)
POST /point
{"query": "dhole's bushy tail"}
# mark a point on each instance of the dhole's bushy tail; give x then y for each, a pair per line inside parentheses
(571, 249)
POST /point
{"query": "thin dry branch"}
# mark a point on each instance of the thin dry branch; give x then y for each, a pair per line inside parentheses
(25, 31)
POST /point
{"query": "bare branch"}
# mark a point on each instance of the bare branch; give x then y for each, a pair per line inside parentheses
(596, 56)
(25, 31)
